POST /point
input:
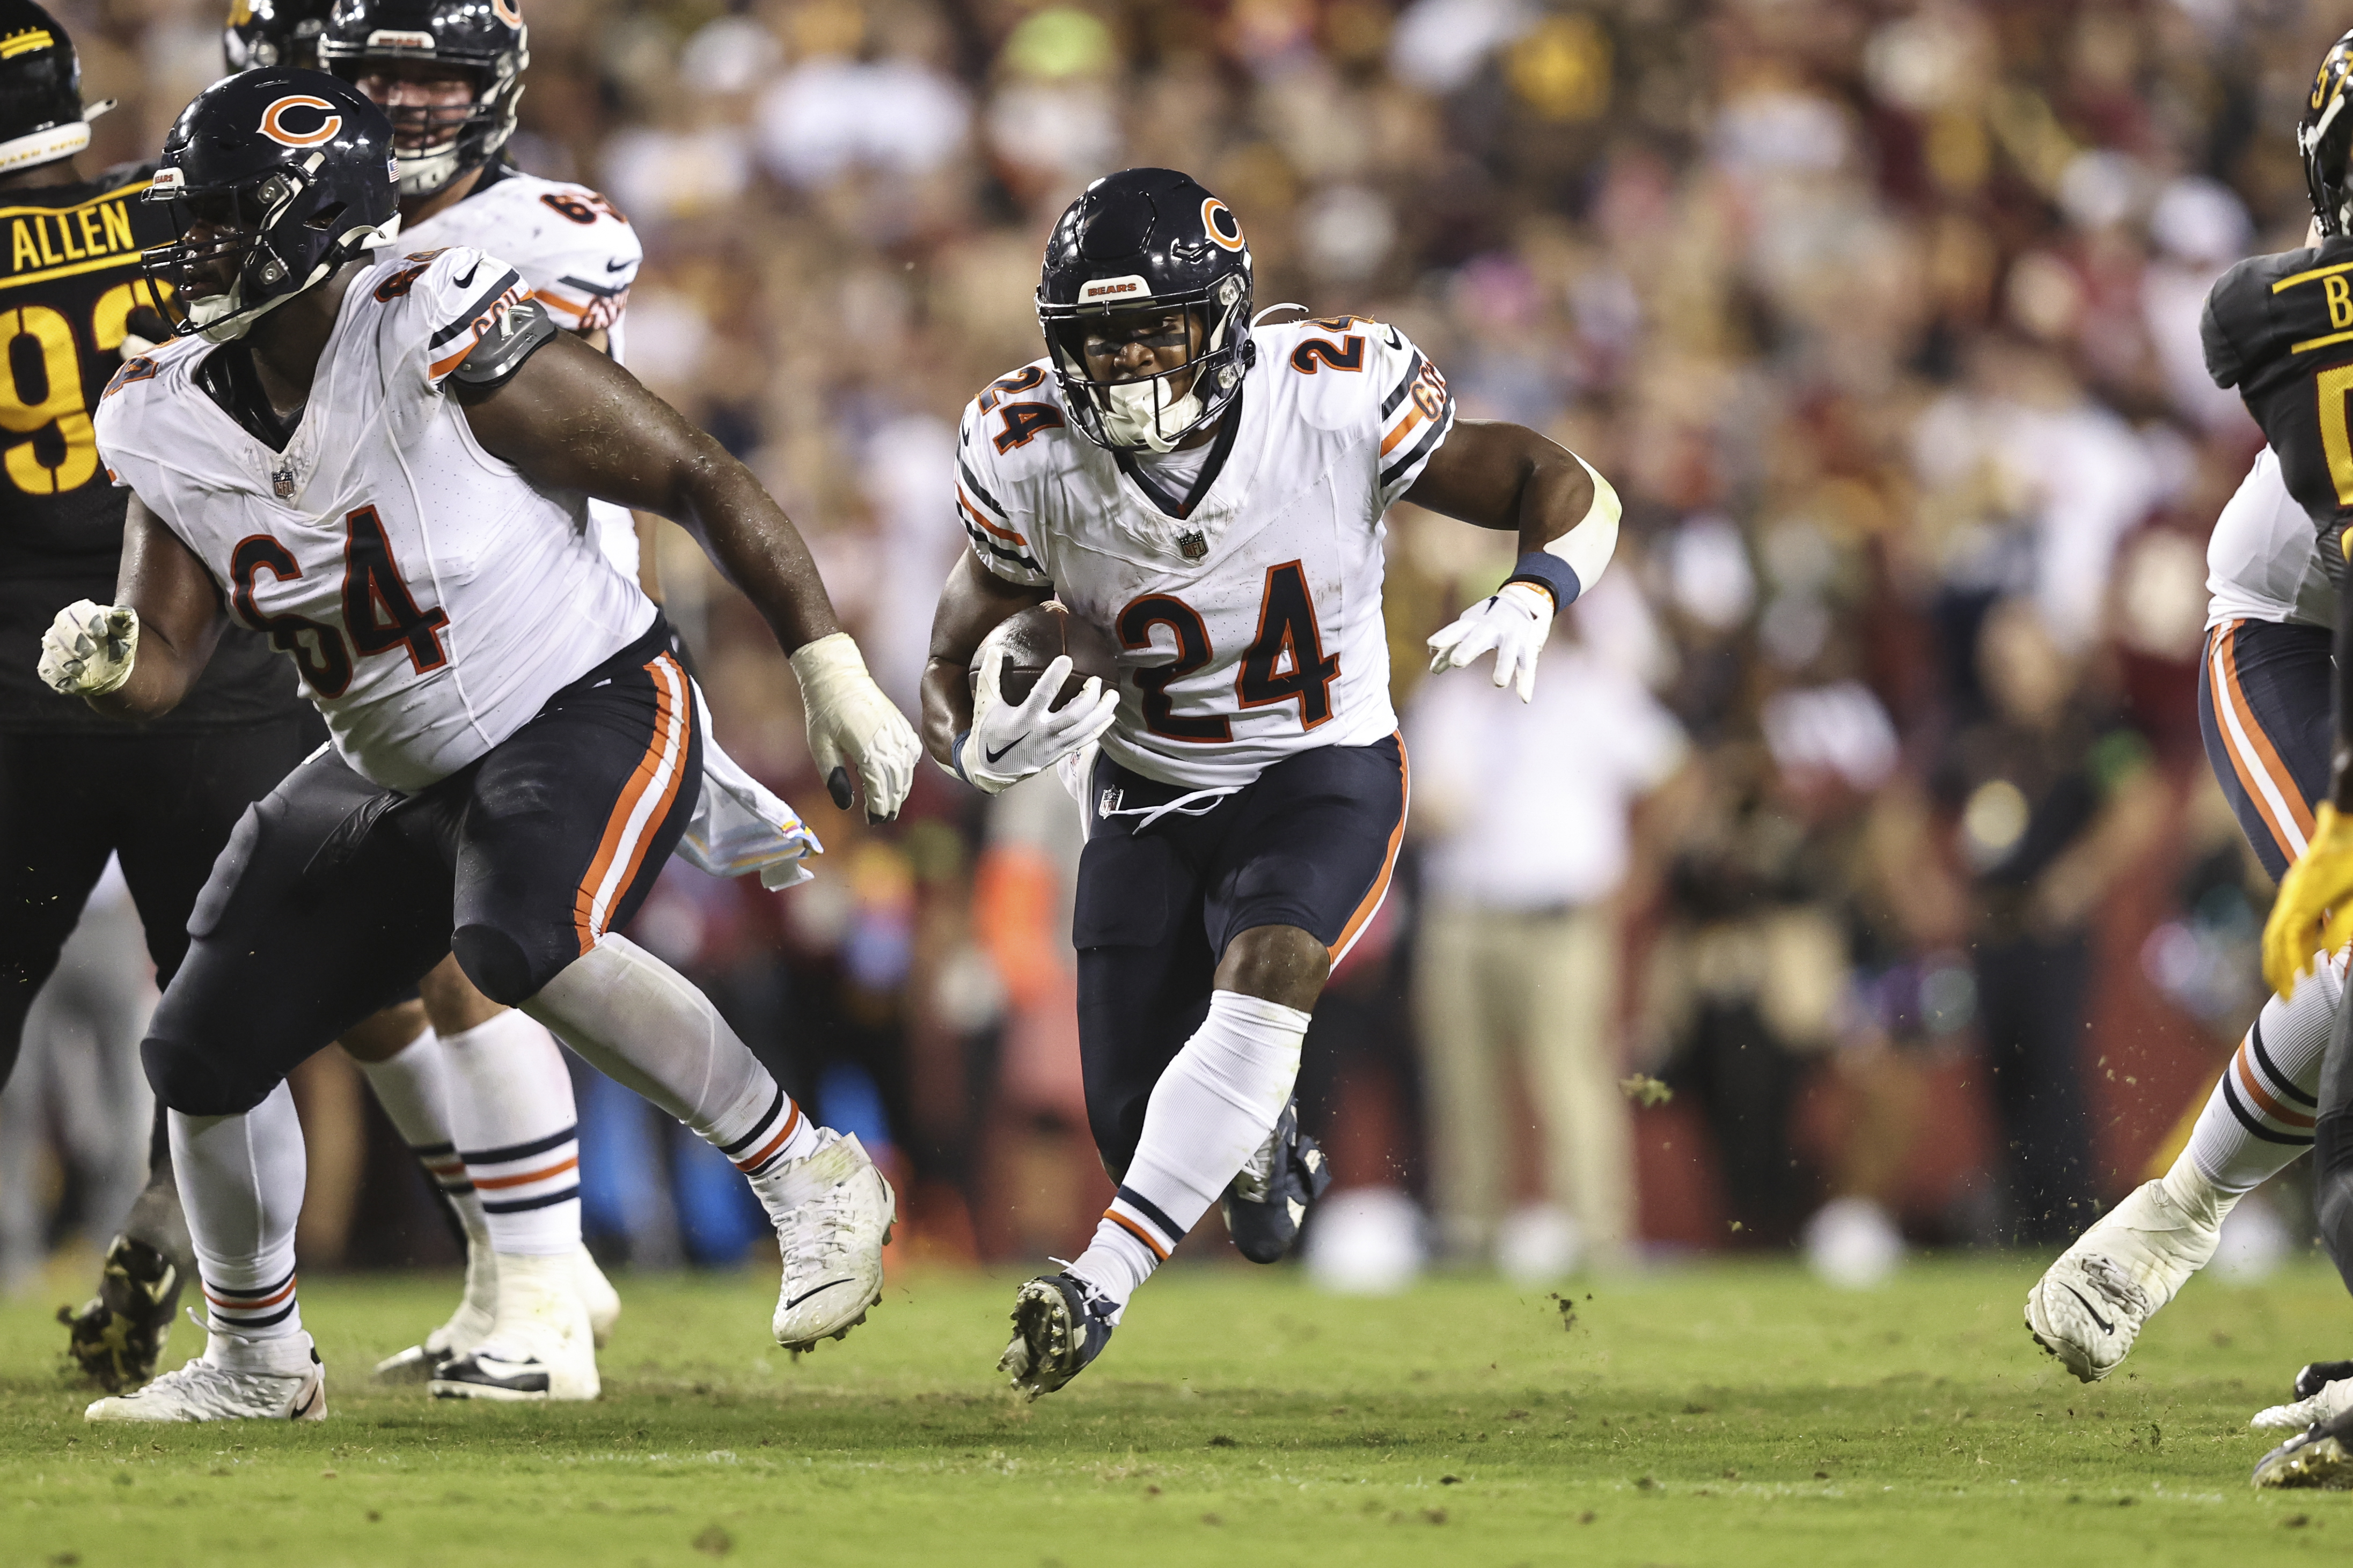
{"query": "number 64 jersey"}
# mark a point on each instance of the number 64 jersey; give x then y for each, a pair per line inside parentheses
(1251, 618)
(432, 599)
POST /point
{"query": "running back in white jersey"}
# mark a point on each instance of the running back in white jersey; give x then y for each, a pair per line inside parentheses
(578, 254)
(2263, 563)
(1253, 623)
(431, 597)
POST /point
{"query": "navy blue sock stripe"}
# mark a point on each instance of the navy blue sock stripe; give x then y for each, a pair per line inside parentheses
(257, 1293)
(2280, 1081)
(1151, 1211)
(432, 1150)
(759, 1128)
(520, 1205)
(2247, 1119)
(521, 1150)
(222, 1315)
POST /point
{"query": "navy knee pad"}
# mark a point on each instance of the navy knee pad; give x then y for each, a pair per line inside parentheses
(195, 1081)
(501, 967)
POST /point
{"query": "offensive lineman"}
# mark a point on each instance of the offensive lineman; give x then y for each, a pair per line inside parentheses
(1210, 493)
(380, 464)
(483, 1096)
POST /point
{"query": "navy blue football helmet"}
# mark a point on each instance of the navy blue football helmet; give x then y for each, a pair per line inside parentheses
(1147, 239)
(264, 33)
(486, 39)
(285, 174)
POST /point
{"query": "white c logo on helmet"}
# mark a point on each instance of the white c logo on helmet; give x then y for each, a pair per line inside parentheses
(1225, 229)
(508, 12)
(273, 120)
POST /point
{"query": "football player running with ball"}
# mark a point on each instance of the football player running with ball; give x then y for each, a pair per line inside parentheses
(380, 464)
(1208, 492)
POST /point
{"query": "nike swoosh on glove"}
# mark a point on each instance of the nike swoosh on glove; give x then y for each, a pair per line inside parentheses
(1011, 741)
(851, 722)
(88, 648)
(2312, 912)
(1514, 623)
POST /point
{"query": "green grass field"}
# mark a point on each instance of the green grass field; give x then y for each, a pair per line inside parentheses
(1723, 1414)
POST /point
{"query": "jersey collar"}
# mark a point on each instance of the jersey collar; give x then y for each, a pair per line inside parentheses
(1229, 424)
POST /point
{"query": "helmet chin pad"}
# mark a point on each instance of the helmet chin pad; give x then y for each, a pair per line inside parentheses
(1134, 414)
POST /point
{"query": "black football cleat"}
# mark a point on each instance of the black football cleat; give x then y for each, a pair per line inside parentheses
(1266, 1202)
(2321, 1456)
(2320, 1374)
(120, 1335)
(1060, 1324)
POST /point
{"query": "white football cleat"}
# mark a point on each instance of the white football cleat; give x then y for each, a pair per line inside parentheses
(2092, 1304)
(208, 1390)
(2335, 1399)
(541, 1346)
(832, 1243)
(596, 1293)
(465, 1329)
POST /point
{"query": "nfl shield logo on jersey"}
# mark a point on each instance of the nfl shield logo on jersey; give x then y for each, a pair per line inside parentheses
(281, 482)
(1194, 543)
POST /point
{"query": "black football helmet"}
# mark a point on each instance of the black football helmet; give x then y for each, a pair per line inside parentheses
(1153, 239)
(41, 115)
(264, 33)
(289, 174)
(486, 38)
(2325, 136)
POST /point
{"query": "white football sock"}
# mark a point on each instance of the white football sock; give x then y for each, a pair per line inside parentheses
(641, 1023)
(413, 1089)
(1212, 1108)
(2260, 1116)
(518, 1132)
(241, 1181)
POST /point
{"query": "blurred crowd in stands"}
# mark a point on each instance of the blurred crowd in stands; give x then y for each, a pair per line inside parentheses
(1855, 878)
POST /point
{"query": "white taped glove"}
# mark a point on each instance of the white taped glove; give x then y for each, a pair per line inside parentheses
(1011, 741)
(849, 720)
(88, 648)
(1514, 623)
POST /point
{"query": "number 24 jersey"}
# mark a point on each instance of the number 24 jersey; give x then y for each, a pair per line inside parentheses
(431, 597)
(1251, 623)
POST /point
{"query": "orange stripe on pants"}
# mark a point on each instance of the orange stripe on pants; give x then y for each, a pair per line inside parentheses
(641, 780)
(2266, 755)
(1380, 888)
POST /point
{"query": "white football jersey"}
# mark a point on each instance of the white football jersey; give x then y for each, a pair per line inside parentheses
(1252, 624)
(2263, 563)
(578, 254)
(431, 597)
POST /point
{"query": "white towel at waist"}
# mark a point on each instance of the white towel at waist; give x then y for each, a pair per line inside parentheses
(739, 825)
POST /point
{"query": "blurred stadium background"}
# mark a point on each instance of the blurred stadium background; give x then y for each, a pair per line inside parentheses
(1862, 818)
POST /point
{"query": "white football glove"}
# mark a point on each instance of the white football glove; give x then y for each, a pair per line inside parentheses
(1514, 623)
(1011, 741)
(88, 648)
(849, 720)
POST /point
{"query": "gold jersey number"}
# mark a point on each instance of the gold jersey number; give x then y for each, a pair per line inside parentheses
(42, 388)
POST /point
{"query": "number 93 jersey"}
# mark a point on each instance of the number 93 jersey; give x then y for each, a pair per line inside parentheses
(2280, 329)
(1251, 618)
(430, 596)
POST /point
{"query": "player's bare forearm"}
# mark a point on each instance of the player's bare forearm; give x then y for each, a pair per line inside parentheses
(180, 618)
(1490, 474)
(972, 603)
(572, 419)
